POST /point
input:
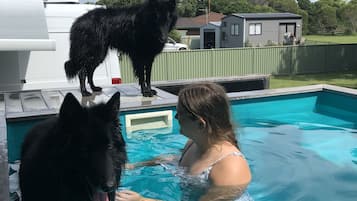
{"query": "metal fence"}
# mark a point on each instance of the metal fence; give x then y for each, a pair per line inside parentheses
(244, 61)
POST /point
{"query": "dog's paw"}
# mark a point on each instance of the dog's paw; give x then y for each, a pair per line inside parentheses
(154, 92)
(147, 93)
(86, 93)
(96, 89)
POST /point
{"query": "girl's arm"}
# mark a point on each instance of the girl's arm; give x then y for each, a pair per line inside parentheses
(223, 193)
(229, 179)
(155, 161)
(128, 195)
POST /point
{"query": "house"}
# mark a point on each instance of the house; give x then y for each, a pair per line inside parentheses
(259, 29)
(189, 27)
(210, 35)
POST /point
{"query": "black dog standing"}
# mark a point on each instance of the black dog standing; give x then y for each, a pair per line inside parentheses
(139, 31)
(77, 156)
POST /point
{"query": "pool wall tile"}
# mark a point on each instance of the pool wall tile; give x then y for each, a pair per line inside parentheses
(2, 103)
(4, 174)
(13, 102)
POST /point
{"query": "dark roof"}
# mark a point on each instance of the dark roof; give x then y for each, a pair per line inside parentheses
(266, 16)
(197, 22)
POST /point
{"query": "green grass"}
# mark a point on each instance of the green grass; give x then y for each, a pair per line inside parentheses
(343, 79)
(332, 39)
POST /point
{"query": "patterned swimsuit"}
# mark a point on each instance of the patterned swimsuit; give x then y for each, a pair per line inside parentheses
(196, 185)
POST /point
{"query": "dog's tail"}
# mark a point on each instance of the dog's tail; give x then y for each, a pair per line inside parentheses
(71, 70)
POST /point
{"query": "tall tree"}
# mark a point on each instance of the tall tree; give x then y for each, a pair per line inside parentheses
(305, 5)
(187, 8)
(327, 19)
(349, 16)
(229, 6)
(259, 2)
(118, 3)
(263, 9)
(284, 5)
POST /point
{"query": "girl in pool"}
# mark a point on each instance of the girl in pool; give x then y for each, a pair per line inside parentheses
(211, 157)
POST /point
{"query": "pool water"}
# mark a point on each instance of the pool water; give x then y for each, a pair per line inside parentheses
(299, 147)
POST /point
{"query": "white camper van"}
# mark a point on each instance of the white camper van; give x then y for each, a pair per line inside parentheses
(35, 45)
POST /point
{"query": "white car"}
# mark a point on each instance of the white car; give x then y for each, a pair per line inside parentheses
(172, 45)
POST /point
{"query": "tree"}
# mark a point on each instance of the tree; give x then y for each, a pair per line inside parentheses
(174, 34)
(229, 6)
(263, 9)
(305, 5)
(118, 3)
(259, 2)
(187, 8)
(327, 18)
(284, 5)
(333, 3)
(349, 16)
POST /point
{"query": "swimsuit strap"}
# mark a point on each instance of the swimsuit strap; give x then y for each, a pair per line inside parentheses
(207, 171)
(235, 153)
(185, 150)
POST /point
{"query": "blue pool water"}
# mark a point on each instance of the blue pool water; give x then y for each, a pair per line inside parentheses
(299, 147)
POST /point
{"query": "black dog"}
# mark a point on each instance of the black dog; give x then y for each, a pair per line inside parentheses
(77, 156)
(140, 31)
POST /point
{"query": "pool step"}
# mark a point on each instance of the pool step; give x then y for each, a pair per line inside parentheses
(148, 120)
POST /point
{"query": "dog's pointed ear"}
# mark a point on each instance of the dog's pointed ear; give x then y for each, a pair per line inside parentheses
(113, 105)
(172, 3)
(71, 109)
(153, 2)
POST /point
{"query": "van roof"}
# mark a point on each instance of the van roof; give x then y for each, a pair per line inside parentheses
(61, 1)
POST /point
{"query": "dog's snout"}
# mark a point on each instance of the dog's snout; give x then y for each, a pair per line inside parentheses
(110, 183)
(109, 186)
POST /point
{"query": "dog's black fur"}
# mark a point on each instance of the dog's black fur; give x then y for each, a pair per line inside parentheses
(77, 156)
(140, 31)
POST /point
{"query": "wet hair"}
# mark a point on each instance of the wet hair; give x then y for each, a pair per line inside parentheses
(209, 101)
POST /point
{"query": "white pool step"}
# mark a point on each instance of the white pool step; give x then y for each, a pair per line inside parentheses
(148, 120)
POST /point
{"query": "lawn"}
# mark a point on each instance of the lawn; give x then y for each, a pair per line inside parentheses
(344, 79)
(332, 39)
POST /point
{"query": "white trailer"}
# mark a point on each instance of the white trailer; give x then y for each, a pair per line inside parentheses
(34, 44)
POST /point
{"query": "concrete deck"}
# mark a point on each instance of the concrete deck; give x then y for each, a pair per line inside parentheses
(25, 104)
(36, 103)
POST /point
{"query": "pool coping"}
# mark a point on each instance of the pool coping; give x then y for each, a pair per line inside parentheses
(168, 101)
(4, 173)
(291, 90)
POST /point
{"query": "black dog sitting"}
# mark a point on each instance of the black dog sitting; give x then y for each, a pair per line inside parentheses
(140, 31)
(77, 156)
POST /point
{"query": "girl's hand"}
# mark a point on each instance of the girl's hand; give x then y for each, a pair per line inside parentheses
(165, 158)
(127, 195)
(129, 166)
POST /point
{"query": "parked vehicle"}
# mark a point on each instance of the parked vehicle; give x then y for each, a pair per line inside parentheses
(27, 67)
(172, 45)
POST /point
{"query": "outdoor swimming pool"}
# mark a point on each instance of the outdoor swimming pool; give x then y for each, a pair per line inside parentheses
(299, 147)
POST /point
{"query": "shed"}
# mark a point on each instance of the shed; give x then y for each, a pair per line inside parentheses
(189, 27)
(210, 35)
(259, 29)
